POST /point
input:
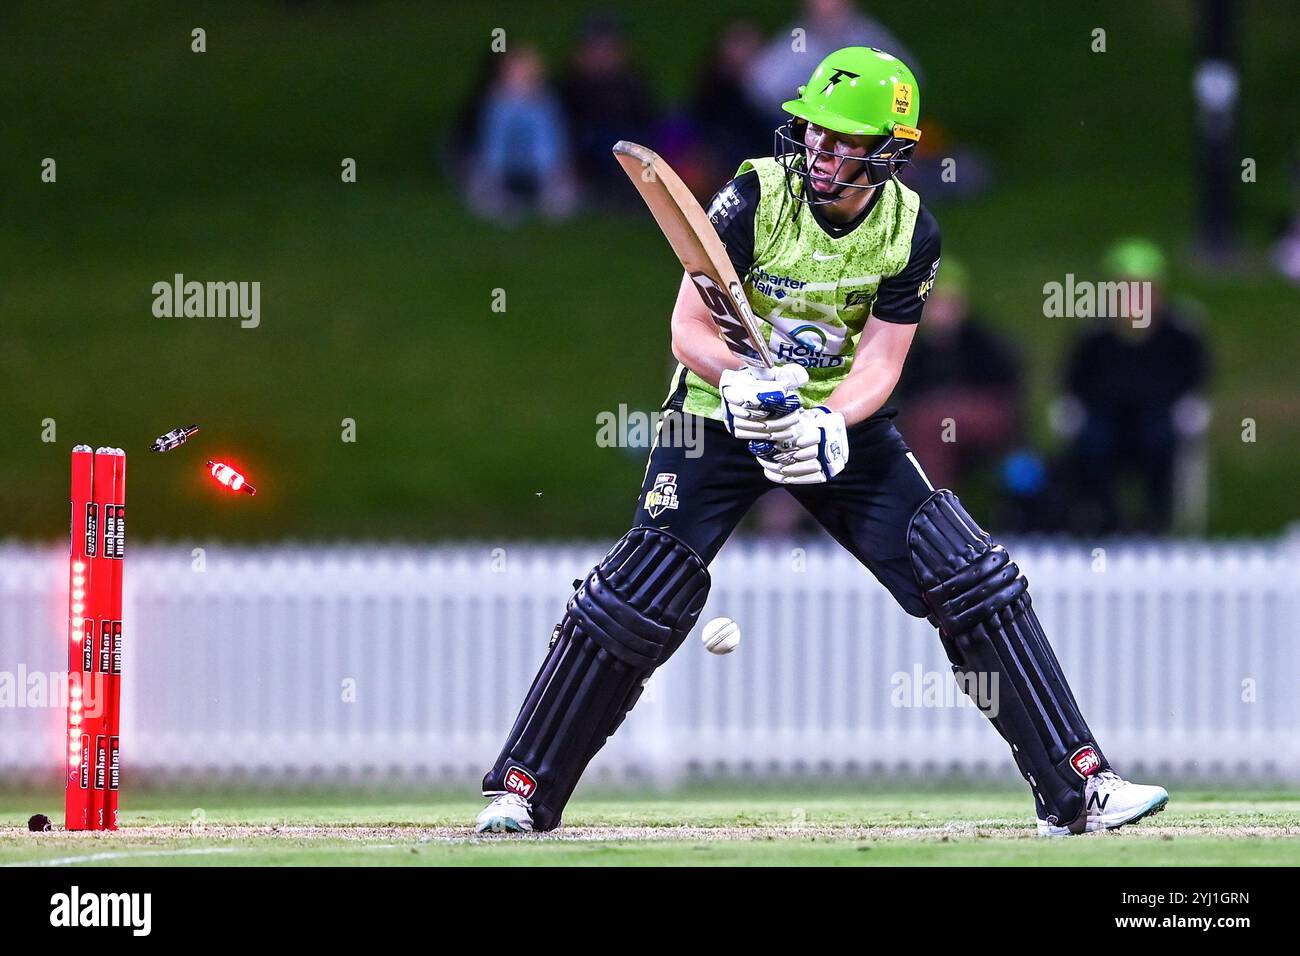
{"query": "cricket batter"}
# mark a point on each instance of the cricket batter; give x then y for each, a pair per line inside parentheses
(837, 258)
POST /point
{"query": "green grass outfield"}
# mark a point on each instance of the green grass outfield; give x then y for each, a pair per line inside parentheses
(377, 295)
(697, 827)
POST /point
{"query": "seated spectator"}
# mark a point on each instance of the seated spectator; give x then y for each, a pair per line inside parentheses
(1134, 396)
(605, 100)
(460, 143)
(727, 127)
(1286, 251)
(826, 25)
(520, 163)
(961, 385)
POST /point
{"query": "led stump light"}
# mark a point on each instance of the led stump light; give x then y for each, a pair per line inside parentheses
(97, 549)
(229, 477)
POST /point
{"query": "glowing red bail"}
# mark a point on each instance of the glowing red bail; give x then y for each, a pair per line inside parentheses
(229, 477)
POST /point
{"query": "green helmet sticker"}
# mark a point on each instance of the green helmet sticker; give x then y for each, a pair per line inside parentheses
(861, 91)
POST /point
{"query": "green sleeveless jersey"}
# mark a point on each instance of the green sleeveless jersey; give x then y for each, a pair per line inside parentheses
(813, 292)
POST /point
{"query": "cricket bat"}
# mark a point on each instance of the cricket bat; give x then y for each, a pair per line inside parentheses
(693, 238)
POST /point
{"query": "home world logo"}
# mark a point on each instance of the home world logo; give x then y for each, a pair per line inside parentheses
(75, 909)
(806, 344)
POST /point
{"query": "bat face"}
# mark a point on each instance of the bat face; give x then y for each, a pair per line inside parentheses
(700, 251)
(732, 314)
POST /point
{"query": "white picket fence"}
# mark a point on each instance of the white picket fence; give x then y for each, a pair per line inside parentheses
(367, 664)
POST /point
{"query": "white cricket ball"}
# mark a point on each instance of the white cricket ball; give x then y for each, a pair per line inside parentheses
(721, 635)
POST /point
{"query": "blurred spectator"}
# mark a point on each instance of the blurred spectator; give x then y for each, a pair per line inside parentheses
(960, 391)
(727, 126)
(1286, 252)
(521, 160)
(788, 60)
(605, 99)
(1134, 405)
(946, 170)
(462, 144)
(1029, 495)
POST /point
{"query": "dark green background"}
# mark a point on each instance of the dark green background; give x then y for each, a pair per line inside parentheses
(376, 296)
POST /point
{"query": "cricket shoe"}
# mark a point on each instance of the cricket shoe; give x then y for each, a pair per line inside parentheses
(507, 813)
(1110, 801)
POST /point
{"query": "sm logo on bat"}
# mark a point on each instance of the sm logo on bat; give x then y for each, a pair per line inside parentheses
(723, 310)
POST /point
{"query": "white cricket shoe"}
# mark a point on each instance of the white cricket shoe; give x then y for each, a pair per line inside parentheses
(1110, 801)
(507, 813)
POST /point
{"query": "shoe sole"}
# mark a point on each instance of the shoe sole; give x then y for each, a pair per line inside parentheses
(500, 825)
(1154, 807)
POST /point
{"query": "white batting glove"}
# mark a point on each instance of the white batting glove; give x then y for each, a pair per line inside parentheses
(818, 451)
(762, 404)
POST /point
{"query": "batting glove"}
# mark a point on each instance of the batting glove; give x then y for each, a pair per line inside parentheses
(762, 404)
(817, 452)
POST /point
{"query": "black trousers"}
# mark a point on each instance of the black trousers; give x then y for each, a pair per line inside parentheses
(700, 482)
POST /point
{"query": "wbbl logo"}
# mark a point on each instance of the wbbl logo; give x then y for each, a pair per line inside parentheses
(663, 495)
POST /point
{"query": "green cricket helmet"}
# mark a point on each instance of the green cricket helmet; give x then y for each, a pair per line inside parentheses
(856, 91)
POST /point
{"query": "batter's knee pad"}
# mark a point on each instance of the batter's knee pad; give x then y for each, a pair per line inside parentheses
(980, 602)
(633, 610)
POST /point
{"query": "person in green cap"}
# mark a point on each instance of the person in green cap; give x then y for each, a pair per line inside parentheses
(837, 257)
(1134, 396)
